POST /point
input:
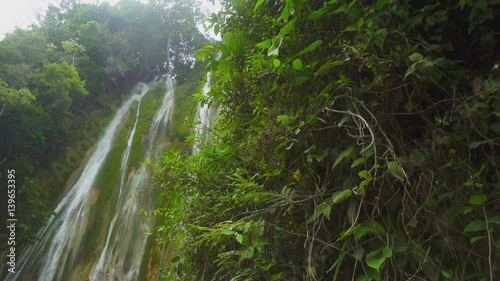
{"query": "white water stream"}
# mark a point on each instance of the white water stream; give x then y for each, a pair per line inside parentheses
(204, 119)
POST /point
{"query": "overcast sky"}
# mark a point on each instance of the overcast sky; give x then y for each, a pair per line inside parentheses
(22, 13)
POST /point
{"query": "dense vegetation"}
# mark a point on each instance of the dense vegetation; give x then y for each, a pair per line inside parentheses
(61, 79)
(357, 140)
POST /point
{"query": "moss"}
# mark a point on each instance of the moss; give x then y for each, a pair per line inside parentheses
(185, 105)
(149, 106)
(106, 183)
(150, 260)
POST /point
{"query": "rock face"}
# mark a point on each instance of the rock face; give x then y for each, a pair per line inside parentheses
(94, 194)
(132, 172)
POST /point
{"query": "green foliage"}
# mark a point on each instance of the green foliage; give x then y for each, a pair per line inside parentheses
(13, 97)
(362, 137)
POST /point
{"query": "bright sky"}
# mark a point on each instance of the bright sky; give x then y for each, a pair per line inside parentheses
(22, 13)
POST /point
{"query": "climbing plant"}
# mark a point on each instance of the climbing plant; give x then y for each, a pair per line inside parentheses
(356, 140)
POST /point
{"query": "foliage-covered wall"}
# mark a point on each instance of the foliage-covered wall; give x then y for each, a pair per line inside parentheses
(357, 140)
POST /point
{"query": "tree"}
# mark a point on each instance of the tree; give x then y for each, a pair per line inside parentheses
(158, 32)
(58, 89)
(9, 96)
(74, 50)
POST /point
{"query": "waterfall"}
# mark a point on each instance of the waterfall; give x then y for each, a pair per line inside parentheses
(128, 237)
(123, 171)
(204, 119)
(57, 255)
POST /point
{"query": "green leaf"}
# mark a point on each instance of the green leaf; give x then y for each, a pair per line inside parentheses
(360, 23)
(495, 219)
(474, 239)
(289, 27)
(316, 14)
(396, 170)
(401, 246)
(228, 232)
(475, 144)
(361, 230)
(426, 63)
(358, 162)
(277, 276)
(297, 175)
(415, 57)
(276, 63)
(266, 44)
(410, 70)
(386, 252)
(379, 38)
(274, 173)
(297, 64)
(341, 196)
(475, 226)
(374, 260)
(285, 14)
(319, 155)
(361, 190)
(260, 245)
(380, 4)
(328, 65)
(344, 8)
(239, 238)
(314, 45)
(369, 227)
(216, 29)
(363, 278)
(478, 200)
(446, 274)
(365, 174)
(258, 4)
(321, 209)
(342, 155)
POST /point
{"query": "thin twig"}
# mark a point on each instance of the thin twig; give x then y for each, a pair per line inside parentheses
(3, 107)
(489, 244)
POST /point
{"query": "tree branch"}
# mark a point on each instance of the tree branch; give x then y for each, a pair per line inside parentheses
(3, 107)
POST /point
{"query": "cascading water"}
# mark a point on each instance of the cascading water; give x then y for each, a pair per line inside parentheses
(58, 253)
(128, 238)
(204, 118)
